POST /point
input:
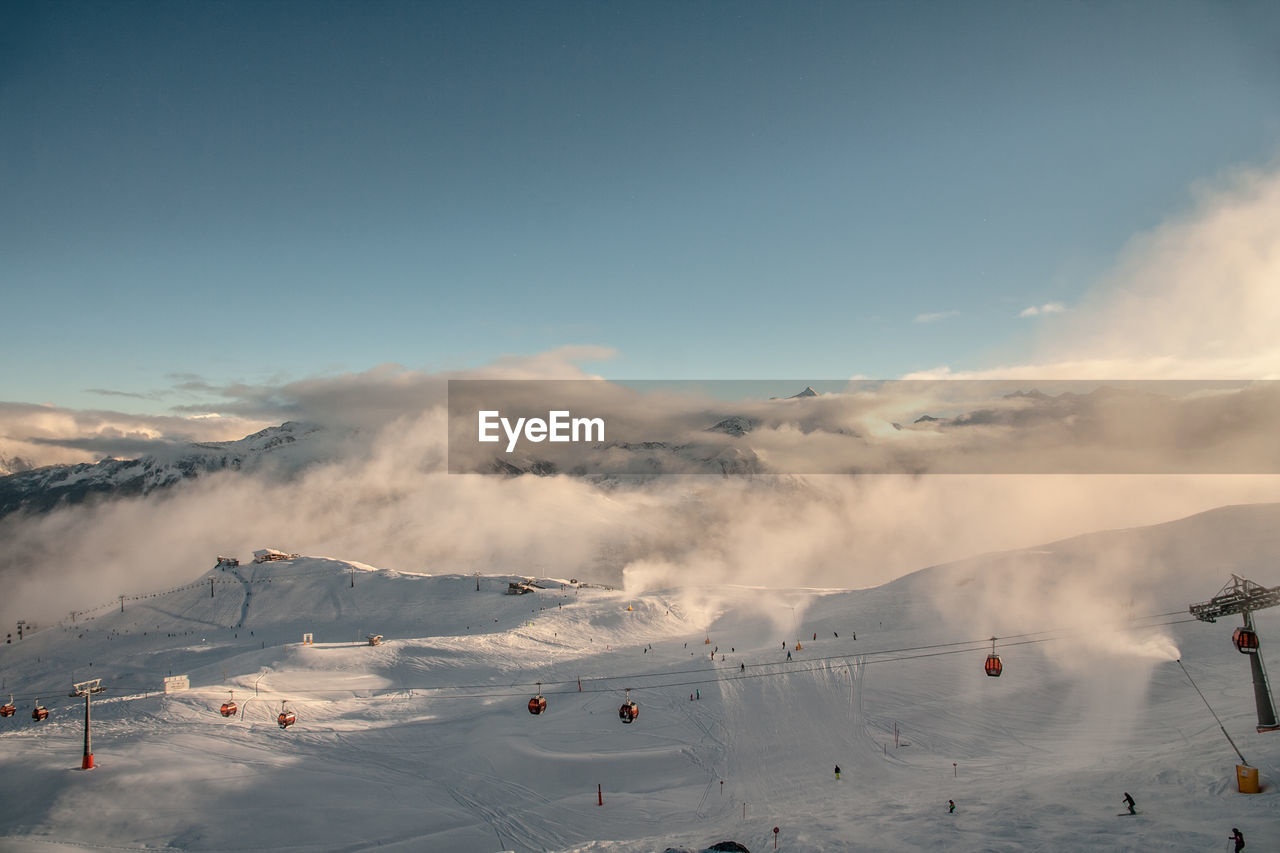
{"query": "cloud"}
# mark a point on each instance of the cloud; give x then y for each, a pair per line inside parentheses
(384, 498)
(374, 397)
(387, 501)
(364, 400)
(108, 443)
(107, 392)
(1047, 308)
(1194, 298)
(51, 435)
(935, 316)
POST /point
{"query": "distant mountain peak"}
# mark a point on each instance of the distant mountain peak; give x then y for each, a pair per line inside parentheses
(807, 392)
(735, 425)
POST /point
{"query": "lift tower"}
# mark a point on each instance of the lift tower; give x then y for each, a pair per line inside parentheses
(87, 689)
(1244, 596)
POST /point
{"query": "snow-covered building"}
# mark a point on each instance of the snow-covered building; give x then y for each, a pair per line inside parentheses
(267, 555)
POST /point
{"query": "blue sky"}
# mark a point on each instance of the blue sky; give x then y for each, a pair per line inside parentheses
(268, 191)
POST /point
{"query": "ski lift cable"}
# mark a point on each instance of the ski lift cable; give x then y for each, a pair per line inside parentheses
(779, 670)
(881, 656)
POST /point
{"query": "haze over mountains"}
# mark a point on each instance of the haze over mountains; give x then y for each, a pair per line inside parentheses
(372, 484)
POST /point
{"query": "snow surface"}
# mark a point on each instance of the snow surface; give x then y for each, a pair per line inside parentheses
(424, 743)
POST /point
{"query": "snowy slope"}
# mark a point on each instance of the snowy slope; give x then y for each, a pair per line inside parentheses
(425, 743)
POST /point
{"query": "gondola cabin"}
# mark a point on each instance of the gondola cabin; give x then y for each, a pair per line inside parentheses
(1246, 641)
(286, 717)
(629, 710)
(228, 709)
(993, 666)
(538, 703)
(8, 709)
(39, 712)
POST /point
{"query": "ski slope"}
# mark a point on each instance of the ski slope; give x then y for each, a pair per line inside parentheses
(424, 743)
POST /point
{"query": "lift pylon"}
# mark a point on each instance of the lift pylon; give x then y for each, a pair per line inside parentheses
(1244, 596)
(87, 689)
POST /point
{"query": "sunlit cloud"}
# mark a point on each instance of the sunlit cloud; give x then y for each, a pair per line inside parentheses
(1194, 298)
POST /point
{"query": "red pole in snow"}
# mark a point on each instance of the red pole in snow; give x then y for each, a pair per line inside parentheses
(599, 795)
(579, 683)
(87, 762)
(954, 771)
(775, 838)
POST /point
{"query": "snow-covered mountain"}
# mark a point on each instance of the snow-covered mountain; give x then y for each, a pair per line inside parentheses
(42, 489)
(748, 699)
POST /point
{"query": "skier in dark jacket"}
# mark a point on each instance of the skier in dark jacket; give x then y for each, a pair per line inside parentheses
(951, 806)
(1238, 837)
(838, 774)
(1128, 801)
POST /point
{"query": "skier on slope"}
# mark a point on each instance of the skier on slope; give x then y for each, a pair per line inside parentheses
(837, 772)
(1238, 837)
(951, 806)
(1128, 801)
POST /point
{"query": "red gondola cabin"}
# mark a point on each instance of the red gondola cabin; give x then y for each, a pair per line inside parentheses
(628, 712)
(1246, 641)
(993, 666)
(8, 709)
(228, 709)
(538, 704)
(40, 712)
